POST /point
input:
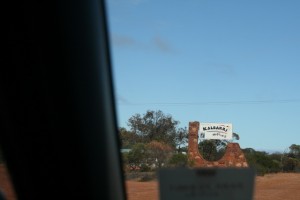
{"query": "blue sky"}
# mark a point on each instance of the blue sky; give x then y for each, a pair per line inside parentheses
(211, 61)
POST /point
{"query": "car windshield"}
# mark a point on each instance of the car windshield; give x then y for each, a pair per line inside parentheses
(228, 62)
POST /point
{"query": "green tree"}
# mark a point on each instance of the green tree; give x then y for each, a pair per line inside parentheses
(137, 156)
(178, 160)
(125, 161)
(155, 125)
(158, 153)
(181, 138)
(128, 138)
(213, 150)
(291, 160)
(294, 151)
(290, 164)
(209, 151)
(262, 162)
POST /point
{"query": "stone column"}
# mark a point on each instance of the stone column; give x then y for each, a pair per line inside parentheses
(193, 153)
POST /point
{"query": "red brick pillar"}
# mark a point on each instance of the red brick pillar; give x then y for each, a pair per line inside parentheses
(194, 156)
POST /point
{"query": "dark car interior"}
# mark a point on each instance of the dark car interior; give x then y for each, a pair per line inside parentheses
(58, 120)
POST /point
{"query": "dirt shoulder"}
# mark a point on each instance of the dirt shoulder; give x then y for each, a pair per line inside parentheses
(278, 186)
(269, 187)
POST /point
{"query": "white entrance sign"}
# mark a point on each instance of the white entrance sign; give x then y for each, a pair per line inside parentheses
(217, 131)
(206, 184)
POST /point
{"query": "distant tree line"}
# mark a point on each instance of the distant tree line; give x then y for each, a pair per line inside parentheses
(264, 162)
(155, 140)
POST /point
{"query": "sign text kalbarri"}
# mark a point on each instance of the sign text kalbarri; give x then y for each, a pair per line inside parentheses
(217, 131)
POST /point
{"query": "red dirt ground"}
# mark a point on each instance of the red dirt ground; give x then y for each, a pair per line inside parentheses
(281, 186)
(269, 187)
(278, 186)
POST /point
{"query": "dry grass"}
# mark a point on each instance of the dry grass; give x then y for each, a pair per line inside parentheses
(281, 186)
(278, 186)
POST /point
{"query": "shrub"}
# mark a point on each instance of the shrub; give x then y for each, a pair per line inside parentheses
(145, 168)
(178, 160)
(262, 162)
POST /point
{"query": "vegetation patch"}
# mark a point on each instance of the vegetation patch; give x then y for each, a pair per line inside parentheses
(155, 140)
